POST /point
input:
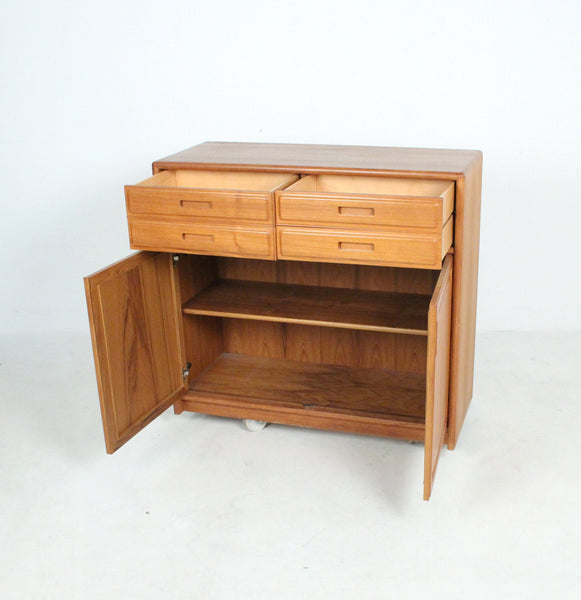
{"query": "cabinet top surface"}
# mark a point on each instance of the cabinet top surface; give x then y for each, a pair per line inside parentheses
(308, 158)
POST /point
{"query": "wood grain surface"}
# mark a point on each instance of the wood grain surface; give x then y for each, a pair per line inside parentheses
(135, 333)
(188, 236)
(330, 345)
(345, 398)
(316, 158)
(209, 196)
(344, 201)
(313, 305)
(405, 247)
(465, 291)
(437, 377)
(361, 277)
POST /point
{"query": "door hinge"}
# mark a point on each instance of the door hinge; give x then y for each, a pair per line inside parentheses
(186, 370)
(175, 259)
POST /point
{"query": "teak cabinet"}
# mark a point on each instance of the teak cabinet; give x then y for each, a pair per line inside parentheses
(322, 286)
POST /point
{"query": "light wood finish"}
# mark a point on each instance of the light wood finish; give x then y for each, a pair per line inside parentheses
(368, 202)
(405, 248)
(313, 305)
(465, 290)
(437, 377)
(447, 238)
(317, 158)
(135, 332)
(220, 240)
(209, 196)
(313, 395)
(185, 179)
(462, 166)
(298, 290)
(232, 180)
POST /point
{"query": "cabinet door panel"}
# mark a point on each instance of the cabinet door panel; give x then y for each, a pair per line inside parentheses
(134, 317)
(439, 321)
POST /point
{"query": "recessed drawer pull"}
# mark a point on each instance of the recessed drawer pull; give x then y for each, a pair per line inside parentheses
(196, 204)
(357, 246)
(356, 211)
(197, 237)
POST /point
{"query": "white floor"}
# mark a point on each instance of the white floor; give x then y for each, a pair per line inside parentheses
(197, 507)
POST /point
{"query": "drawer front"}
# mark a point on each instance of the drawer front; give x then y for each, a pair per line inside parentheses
(368, 211)
(204, 205)
(243, 242)
(406, 249)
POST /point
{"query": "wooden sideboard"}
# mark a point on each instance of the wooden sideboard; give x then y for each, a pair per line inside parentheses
(321, 286)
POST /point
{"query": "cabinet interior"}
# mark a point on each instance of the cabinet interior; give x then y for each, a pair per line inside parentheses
(276, 339)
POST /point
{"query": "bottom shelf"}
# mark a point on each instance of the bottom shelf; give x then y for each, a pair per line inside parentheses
(370, 401)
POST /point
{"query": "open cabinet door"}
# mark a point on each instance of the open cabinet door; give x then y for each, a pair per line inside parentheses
(439, 322)
(134, 317)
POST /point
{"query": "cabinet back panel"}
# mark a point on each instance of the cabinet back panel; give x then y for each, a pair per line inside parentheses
(305, 343)
(362, 277)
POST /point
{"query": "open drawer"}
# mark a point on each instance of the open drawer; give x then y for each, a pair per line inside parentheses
(207, 195)
(366, 202)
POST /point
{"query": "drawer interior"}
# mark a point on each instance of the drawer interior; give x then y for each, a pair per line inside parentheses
(384, 186)
(220, 180)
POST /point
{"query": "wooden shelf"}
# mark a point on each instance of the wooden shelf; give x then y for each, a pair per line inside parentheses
(374, 401)
(312, 305)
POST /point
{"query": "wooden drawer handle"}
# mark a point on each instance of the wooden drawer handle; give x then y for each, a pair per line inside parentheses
(195, 204)
(198, 237)
(357, 246)
(356, 211)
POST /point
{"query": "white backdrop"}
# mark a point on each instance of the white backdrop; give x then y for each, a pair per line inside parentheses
(93, 92)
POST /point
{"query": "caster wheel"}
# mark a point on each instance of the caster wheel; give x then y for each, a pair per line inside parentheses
(252, 425)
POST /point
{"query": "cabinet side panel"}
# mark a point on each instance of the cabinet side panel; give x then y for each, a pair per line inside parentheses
(466, 243)
(202, 335)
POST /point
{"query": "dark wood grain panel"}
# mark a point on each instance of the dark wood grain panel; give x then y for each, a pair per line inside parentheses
(363, 277)
(341, 347)
(394, 279)
(349, 347)
(257, 338)
(303, 343)
(247, 269)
